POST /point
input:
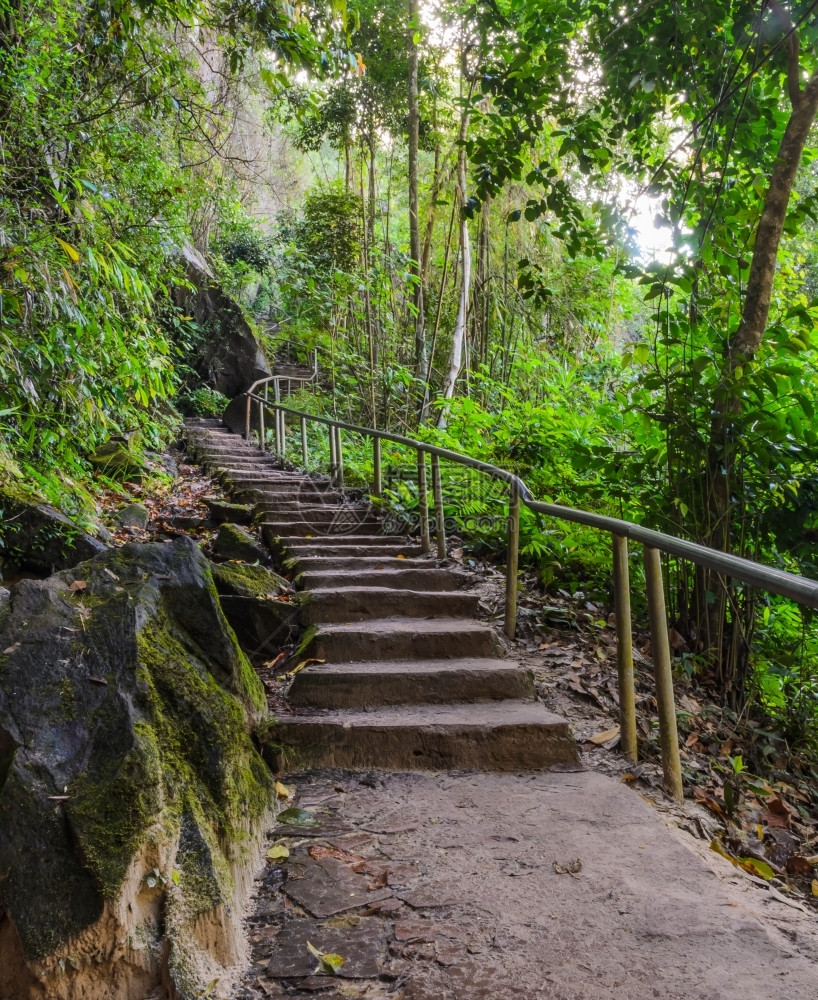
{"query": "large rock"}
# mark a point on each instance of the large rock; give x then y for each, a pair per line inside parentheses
(229, 358)
(260, 607)
(132, 799)
(36, 537)
(235, 542)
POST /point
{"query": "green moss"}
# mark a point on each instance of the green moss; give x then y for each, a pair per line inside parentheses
(306, 639)
(192, 755)
(243, 580)
(112, 807)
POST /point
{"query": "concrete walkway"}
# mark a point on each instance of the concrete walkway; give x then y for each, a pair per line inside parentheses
(457, 898)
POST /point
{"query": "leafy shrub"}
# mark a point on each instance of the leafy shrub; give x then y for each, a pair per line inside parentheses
(202, 402)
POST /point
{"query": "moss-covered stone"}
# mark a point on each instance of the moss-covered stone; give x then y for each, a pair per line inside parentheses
(36, 537)
(140, 714)
(235, 542)
(242, 580)
(236, 513)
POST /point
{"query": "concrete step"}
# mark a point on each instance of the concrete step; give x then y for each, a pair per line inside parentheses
(409, 682)
(402, 639)
(359, 604)
(490, 736)
(301, 561)
(310, 512)
(395, 579)
(339, 544)
(298, 542)
(329, 527)
(275, 487)
(265, 476)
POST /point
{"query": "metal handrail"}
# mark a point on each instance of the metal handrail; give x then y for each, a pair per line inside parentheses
(790, 585)
(276, 381)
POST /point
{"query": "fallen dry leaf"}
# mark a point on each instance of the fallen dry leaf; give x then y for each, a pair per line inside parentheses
(572, 868)
(604, 737)
(797, 864)
(77, 585)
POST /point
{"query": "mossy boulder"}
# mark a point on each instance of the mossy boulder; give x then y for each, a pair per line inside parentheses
(132, 798)
(237, 513)
(133, 515)
(235, 542)
(260, 607)
(39, 538)
(243, 580)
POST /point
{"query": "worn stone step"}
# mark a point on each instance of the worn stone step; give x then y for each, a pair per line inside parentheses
(342, 545)
(402, 639)
(387, 541)
(312, 512)
(301, 561)
(409, 682)
(264, 476)
(490, 736)
(331, 527)
(428, 578)
(358, 603)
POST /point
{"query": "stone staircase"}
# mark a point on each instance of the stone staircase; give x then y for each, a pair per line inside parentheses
(410, 680)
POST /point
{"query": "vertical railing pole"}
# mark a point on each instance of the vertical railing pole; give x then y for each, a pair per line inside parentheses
(440, 525)
(624, 646)
(333, 461)
(283, 451)
(423, 503)
(377, 485)
(339, 456)
(247, 420)
(662, 668)
(512, 561)
(261, 426)
(304, 452)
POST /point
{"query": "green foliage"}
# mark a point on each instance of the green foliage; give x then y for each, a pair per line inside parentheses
(202, 402)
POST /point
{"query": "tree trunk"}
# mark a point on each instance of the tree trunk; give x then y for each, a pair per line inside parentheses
(459, 334)
(725, 442)
(414, 223)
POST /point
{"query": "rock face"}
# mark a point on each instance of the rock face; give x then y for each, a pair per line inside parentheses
(249, 598)
(39, 538)
(235, 542)
(229, 359)
(132, 798)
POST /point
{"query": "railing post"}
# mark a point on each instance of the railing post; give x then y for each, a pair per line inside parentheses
(512, 561)
(261, 425)
(339, 456)
(377, 486)
(283, 419)
(662, 668)
(333, 460)
(624, 646)
(423, 503)
(440, 524)
(247, 420)
(304, 454)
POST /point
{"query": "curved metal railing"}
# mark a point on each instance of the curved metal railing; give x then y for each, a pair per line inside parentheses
(789, 585)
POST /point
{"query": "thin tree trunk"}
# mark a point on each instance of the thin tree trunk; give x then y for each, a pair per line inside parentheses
(459, 334)
(421, 364)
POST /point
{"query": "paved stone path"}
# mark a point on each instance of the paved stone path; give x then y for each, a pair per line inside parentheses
(443, 887)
